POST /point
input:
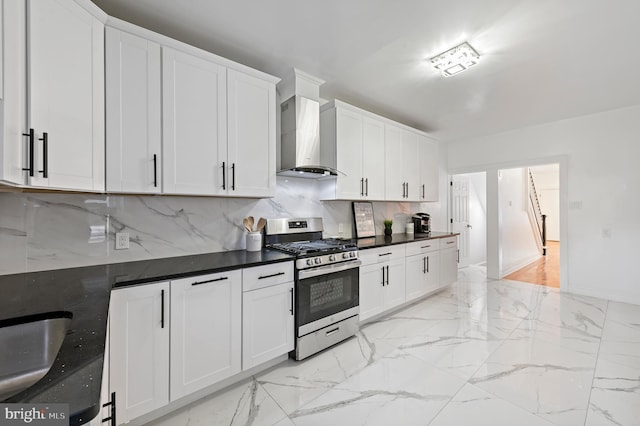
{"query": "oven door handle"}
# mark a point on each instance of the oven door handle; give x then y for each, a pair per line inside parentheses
(328, 269)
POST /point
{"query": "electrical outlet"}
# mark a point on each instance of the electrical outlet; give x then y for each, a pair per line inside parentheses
(340, 228)
(122, 240)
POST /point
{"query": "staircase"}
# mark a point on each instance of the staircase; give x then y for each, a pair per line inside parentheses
(538, 220)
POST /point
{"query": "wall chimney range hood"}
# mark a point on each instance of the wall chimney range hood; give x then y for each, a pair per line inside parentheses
(300, 128)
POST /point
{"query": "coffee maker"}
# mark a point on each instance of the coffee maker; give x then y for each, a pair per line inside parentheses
(422, 223)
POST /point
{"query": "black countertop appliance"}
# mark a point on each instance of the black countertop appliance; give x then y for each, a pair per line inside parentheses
(421, 223)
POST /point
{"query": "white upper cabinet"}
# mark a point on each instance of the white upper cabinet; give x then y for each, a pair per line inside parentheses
(402, 165)
(429, 173)
(133, 93)
(1, 50)
(353, 143)
(13, 144)
(194, 99)
(66, 95)
(251, 118)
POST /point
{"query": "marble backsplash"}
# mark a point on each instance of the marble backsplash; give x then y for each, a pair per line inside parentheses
(42, 231)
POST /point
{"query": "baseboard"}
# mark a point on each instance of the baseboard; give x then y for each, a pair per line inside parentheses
(520, 265)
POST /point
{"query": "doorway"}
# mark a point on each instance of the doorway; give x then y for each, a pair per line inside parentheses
(468, 201)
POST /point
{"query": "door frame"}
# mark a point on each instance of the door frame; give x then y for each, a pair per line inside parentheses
(494, 232)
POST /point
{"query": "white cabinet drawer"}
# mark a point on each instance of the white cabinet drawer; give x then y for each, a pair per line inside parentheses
(420, 247)
(449, 242)
(382, 254)
(266, 275)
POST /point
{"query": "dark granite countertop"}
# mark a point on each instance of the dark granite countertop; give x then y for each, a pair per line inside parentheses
(76, 374)
(383, 240)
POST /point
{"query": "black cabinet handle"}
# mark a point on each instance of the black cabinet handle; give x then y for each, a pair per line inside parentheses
(161, 308)
(291, 309)
(384, 254)
(366, 187)
(112, 415)
(427, 264)
(233, 176)
(45, 154)
(31, 135)
(361, 186)
(387, 274)
(155, 170)
(210, 281)
(423, 247)
(224, 180)
(262, 277)
(423, 190)
(424, 265)
(407, 189)
(458, 261)
(383, 276)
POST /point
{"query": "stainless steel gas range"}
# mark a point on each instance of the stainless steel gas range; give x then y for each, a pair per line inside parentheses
(326, 286)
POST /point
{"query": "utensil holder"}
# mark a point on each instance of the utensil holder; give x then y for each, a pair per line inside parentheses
(254, 241)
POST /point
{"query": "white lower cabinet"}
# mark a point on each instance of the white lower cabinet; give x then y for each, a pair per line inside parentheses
(205, 331)
(382, 280)
(423, 266)
(139, 349)
(448, 261)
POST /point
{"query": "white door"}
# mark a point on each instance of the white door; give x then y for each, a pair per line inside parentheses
(429, 172)
(416, 284)
(267, 324)
(459, 186)
(372, 284)
(194, 125)
(395, 189)
(133, 113)
(394, 292)
(251, 129)
(206, 315)
(139, 349)
(373, 158)
(66, 95)
(349, 184)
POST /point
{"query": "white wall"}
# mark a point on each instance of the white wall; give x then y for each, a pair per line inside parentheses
(518, 244)
(599, 178)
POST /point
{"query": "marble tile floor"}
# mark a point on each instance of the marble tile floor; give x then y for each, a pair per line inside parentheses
(481, 352)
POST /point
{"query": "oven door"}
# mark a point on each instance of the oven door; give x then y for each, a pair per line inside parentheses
(326, 294)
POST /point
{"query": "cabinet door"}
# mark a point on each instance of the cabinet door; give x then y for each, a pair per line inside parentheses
(194, 125)
(395, 287)
(393, 166)
(139, 349)
(66, 95)
(429, 173)
(349, 185)
(133, 113)
(411, 165)
(448, 266)
(267, 324)
(373, 158)
(13, 144)
(432, 270)
(372, 290)
(205, 331)
(251, 118)
(416, 284)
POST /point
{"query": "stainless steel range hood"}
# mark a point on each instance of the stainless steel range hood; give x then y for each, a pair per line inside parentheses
(300, 128)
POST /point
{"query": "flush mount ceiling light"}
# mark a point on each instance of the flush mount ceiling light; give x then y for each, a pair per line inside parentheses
(456, 59)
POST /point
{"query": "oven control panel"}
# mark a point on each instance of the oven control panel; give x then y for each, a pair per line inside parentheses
(326, 259)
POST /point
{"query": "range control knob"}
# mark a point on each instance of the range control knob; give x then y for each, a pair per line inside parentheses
(332, 258)
(318, 260)
(352, 254)
(309, 262)
(345, 255)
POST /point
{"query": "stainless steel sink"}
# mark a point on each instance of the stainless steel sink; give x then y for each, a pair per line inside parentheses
(29, 345)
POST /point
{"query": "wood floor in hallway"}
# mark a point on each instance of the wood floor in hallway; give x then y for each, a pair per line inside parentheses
(545, 271)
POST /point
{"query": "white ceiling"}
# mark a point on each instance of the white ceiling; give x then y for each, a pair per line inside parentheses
(541, 60)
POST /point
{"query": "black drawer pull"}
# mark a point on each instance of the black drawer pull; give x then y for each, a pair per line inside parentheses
(262, 277)
(210, 281)
(224, 180)
(112, 415)
(155, 170)
(425, 247)
(450, 242)
(161, 308)
(385, 254)
(291, 309)
(31, 135)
